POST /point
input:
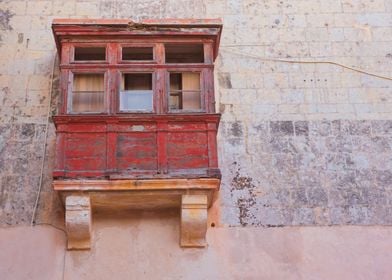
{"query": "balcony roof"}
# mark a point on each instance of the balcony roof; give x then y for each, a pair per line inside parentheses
(107, 29)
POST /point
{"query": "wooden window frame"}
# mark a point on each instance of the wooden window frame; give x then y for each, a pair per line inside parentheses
(118, 91)
(106, 90)
(203, 108)
(136, 45)
(88, 45)
(113, 67)
(185, 42)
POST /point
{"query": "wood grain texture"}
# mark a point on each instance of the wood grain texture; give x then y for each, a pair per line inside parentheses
(91, 146)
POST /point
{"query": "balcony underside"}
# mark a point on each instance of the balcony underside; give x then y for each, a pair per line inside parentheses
(137, 194)
(81, 197)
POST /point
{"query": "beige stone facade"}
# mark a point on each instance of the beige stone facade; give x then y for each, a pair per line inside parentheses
(305, 92)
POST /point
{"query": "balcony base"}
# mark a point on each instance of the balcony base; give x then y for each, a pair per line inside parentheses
(192, 196)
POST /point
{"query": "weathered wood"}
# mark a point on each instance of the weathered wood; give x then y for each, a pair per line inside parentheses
(74, 28)
(116, 185)
(110, 145)
(114, 160)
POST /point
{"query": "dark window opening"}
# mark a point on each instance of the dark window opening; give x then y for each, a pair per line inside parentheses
(184, 53)
(90, 53)
(137, 53)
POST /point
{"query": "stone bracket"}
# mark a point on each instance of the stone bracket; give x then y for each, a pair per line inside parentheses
(78, 221)
(192, 196)
(193, 220)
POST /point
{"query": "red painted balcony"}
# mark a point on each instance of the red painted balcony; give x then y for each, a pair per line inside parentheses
(134, 146)
(136, 124)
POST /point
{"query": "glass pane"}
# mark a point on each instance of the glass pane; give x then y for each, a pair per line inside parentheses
(185, 91)
(136, 92)
(88, 93)
(90, 53)
(184, 53)
(136, 100)
(137, 53)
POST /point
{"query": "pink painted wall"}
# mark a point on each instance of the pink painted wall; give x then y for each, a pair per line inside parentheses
(144, 245)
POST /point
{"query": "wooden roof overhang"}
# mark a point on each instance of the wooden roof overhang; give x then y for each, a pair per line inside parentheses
(118, 29)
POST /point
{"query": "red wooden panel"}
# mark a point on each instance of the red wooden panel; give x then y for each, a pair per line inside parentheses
(187, 137)
(187, 150)
(126, 163)
(162, 147)
(189, 126)
(85, 145)
(85, 163)
(82, 173)
(111, 148)
(187, 144)
(136, 145)
(136, 151)
(212, 145)
(186, 162)
(86, 127)
(60, 142)
(134, 127)
(85, 151)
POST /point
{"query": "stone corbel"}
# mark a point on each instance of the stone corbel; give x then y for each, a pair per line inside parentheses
(78, 221)
(193, 221)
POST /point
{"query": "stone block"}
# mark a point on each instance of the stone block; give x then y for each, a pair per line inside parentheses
(281, 128)
(39, 7)
(332, 6)
(381, 127)
(86, 9)
(301, 128)
(78, 222)
(61, 8)
(303, 216)
(375, 19)
(193, 220)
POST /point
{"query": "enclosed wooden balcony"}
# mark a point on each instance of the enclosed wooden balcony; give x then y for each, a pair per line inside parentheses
(136, 126)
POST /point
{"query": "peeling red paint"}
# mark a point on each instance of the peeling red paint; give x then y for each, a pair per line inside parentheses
(114, 143)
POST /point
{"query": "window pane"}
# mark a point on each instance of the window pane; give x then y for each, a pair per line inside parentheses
(90, 53)
(184, 53)
(137, 53)
(185, 91)
(135, 100)
(88, 93)
(136, 92)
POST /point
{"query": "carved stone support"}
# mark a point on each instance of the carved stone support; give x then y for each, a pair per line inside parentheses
(192, 196)
(78, 221)
(193, 221)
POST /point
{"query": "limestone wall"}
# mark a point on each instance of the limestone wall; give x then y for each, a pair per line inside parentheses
(303, 141)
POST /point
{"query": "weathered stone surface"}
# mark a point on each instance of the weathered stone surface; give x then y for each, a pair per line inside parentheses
(193, 221)
(5, 16)
(305, 136)
(329, 175)
(78, 221)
